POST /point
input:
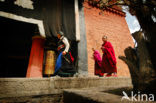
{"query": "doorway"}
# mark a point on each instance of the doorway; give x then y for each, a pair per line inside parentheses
(15, 44)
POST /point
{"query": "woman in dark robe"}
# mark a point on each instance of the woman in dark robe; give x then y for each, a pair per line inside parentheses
(64, 64)
(108, 58)
(97, 65)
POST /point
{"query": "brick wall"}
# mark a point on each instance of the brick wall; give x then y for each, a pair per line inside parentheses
(116, 29)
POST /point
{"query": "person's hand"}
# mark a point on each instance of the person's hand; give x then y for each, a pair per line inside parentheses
(58, 48)
(102, 48)
(64, 53)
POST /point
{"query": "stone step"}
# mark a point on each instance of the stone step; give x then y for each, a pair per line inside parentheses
(95, 95)
(84, 95)
(115, 94)
(19, 87)
(49, 98)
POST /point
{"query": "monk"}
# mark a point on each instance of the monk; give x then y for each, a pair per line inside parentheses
(98, 61)
(108, 58)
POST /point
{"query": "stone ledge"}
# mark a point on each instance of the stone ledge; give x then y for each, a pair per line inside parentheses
(17, 87)
(99, 95)
(90, 96)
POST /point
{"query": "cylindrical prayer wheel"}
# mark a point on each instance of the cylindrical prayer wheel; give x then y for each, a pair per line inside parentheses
(50, 63)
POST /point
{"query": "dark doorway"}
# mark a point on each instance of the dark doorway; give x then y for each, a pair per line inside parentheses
(15, 44)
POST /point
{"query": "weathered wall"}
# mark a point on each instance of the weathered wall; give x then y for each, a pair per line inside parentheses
(82, 45)
(116, 29)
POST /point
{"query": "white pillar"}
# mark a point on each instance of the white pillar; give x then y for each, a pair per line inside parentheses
(77, 21)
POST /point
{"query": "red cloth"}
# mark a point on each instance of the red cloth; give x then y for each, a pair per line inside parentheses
(72, 58)
(98, 62)
(108, 58)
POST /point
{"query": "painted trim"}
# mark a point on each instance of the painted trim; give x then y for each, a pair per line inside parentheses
(24, 19)
(77, 21)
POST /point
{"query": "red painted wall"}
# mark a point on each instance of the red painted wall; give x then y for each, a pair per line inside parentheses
(117, 31)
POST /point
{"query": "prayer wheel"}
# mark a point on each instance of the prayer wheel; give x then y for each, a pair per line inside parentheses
(50, 63)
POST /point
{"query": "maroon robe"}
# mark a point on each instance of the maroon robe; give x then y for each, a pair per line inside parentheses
(98, 61)
(108, 58)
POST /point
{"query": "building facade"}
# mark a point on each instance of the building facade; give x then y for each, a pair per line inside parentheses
(29, 30)
(110, 22)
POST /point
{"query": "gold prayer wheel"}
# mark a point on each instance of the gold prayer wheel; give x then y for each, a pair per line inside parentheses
(50, 63)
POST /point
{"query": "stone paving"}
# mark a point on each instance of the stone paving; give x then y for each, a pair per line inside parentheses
(99, 95)
(84, 95)
(92, 95)
(34, 99)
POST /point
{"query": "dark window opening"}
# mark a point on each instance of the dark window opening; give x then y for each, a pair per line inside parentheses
(15, 44)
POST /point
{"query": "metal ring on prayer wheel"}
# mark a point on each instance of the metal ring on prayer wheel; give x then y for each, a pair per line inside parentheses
(50, 63)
